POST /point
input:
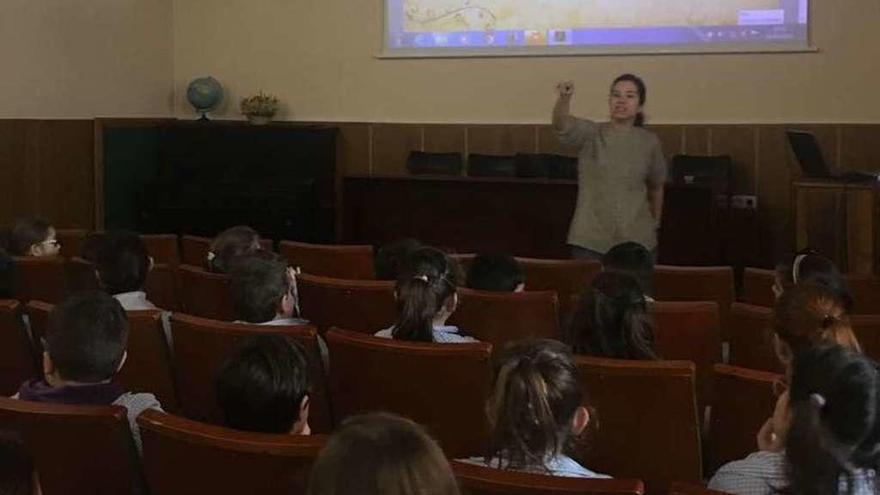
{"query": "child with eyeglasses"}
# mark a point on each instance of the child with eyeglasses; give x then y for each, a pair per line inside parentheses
(30, 236)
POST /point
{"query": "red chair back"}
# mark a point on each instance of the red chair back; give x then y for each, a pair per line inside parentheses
(689, 331)
(201, 345)
(185, 456)
(194, 250)
(482, 480)
(751, 338)
(18, 362)
(81, 275)
(71, 241)
(758, 287)
(162, 247)
(76, 449)
(865, 291)
(441, 386)
(364, 305)
(330, 260)
(703, 283)
(205, 294)
(680, 488)
(648, 404)
(500, 317)
(867, 330)
(148, 366)
(39, 278)
(567, 277)
(742, 402)
(162, 287)
(38, 316)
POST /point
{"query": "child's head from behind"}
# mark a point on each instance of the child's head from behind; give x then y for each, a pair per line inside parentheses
(634, 259)
(807, 316)
(426, 294)
(263, 386)
(535, 405)
(495, 272)
(811, 268)
(391, 260)
(86, 339)
(612, 320)
(261, 287)
(31, 236)
(830, 418)
(230, 244)
(122, 262)
(381, 454)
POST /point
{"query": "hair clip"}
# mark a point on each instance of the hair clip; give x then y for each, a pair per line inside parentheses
(817, 400)
(421, 277)
(796, 267)
(211, 256)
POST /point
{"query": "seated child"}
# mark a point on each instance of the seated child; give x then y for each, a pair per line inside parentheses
(611, 320)
(30, 236)
(391, 259)
(263, 386)
(229, 245)
(381, 454)
(263, 290)
(809, 267)
(823, 435)
(495, 272)
(84, 349)
(634, 259)
(426, 298)
(535, 410)
(122, 265)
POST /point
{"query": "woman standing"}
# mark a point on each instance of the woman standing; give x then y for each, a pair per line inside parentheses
(621, 171)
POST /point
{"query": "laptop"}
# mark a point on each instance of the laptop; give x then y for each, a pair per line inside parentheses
(809, 155)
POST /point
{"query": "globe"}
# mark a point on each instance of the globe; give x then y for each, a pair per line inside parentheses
(204, 94)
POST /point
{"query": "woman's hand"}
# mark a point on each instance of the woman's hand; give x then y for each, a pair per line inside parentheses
(565, 89)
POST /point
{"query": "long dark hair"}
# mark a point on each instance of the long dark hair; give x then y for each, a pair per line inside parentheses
(536, 391)
(810, 267)
(612, 320)
(834, 431)
(229, 245)
(422, 291)
(643, 94)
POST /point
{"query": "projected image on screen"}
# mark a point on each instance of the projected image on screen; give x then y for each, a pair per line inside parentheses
(524, 27)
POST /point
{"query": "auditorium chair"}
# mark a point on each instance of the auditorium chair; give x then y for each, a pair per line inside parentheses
(71, 241)
(689, 331)
(162, 247)
(201, 345)
(80, 275)
(567, 277)
(500, 317)
(18, 362)
(148, 365)
(194, 249)
(705, 283)
(39, 278)
(76, 449)
(475, 479)
(362, 305)
(867, 330)
(758, 287)
(182, 456)
(743, 399)
(645, 422)
(330, 260)
(205, 294)
(681, 488)
(162, 287)
(751, 338)
(441, 386)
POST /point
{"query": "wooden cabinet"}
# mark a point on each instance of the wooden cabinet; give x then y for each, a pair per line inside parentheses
(840, 221)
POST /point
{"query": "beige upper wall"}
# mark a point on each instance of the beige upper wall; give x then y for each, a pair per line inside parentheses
(72, 59)
(317, 55)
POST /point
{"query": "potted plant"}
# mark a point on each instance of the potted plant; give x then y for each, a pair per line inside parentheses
(259, 108)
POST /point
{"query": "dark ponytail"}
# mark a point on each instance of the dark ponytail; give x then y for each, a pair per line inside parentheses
(643, 94)
(833, 436)
(536, 391)
(421, 293)
(612, 320)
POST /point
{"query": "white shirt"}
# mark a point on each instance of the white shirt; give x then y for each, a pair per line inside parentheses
(443, 334)
(134, 301)
(561, 465)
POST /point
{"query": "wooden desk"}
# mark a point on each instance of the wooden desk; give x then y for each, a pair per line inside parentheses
(840, 221)
(524, 217)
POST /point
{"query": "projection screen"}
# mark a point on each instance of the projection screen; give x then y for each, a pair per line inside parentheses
(461, 28)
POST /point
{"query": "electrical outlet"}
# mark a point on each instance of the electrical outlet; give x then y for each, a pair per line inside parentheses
(744, 202)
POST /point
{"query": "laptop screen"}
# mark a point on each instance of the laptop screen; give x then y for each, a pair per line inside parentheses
(809, 155)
